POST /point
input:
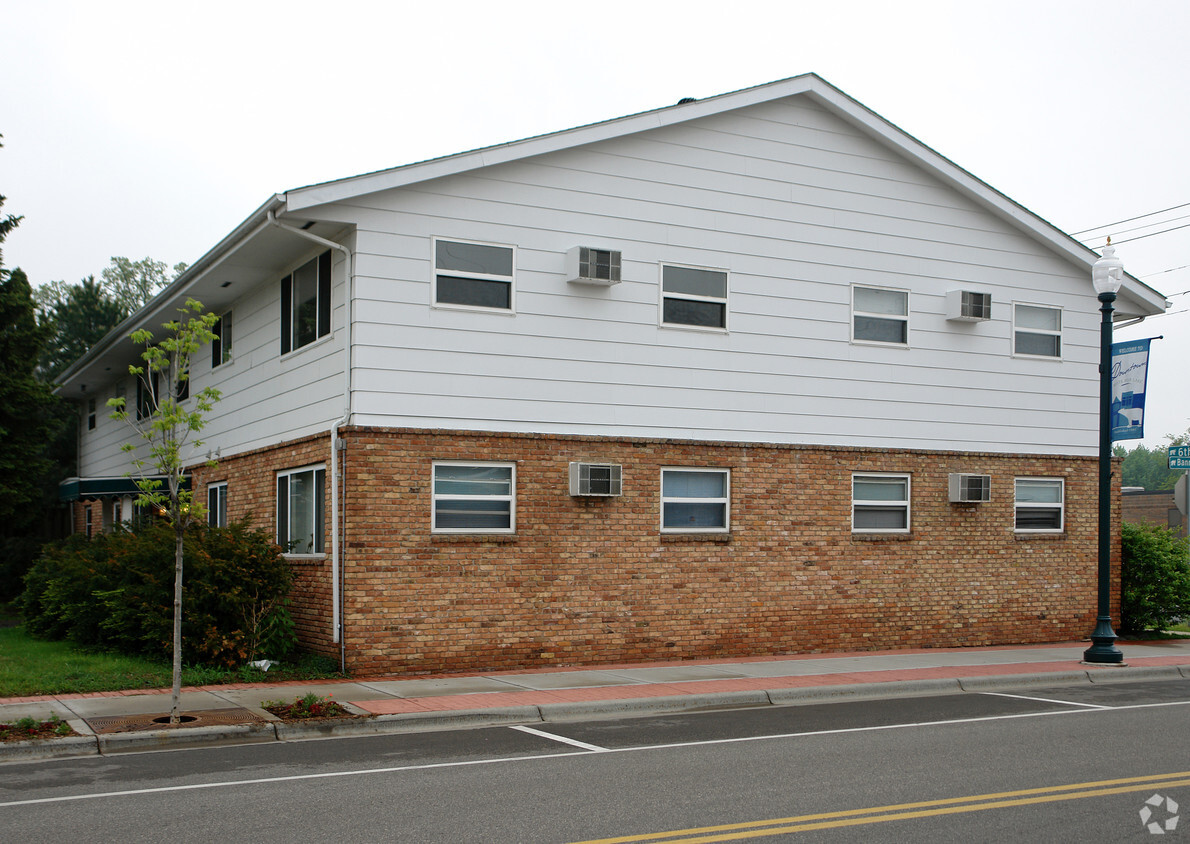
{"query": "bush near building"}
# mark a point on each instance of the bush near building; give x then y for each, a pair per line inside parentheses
(116, 591)
(1155, 578)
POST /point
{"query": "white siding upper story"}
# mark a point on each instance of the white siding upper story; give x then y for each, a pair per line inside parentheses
(797, 205)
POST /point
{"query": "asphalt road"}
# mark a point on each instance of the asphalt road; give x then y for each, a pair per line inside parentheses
(1059, 764)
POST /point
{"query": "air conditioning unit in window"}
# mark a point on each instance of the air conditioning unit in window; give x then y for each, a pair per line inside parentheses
(968, 305)
(587, 265)
(604, 479)
(970, 489)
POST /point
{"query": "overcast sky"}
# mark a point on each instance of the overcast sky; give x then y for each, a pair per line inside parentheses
(153, 129)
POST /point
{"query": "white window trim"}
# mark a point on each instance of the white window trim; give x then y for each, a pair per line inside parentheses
(228, 358)
(907, 502)
(434, 271)
(1040, 505)
(330, 304)
(219, 485)
(725, 500)
(691, 297)
(485, 531)
(860, 341)
(313, 467)
(1042, 331)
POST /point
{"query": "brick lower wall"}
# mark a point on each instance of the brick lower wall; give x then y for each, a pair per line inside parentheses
(251, 493)
(590, 581)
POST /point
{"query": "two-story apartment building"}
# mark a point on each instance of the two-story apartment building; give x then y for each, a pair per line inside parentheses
(750, 374)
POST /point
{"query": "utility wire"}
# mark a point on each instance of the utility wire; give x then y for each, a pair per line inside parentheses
(1150, 234)
(1130, 219)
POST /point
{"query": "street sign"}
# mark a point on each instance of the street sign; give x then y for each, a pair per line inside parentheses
(1179, 457)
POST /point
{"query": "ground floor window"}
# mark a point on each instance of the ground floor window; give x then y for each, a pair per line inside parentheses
(474, 498)
(217, 505)
(1040, 505)
(695, 500)
(300, 495)
(880, 503)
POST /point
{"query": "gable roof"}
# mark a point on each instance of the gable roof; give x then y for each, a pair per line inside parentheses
(239, 255)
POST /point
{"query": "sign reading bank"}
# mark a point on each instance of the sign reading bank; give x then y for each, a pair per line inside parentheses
(1129, 376)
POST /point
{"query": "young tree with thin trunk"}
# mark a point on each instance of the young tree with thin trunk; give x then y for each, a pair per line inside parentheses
(165, 425)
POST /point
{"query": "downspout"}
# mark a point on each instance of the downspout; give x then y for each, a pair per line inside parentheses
(336, 561)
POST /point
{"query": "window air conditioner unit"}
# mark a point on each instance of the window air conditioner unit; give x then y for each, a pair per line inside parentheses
(586, 265)
(970, 489)
(968, 306)
(602, 479)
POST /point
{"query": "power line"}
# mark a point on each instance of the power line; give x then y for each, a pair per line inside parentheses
(1163, 272)
(1150, 234)
(1130, 219)
(1149, 225)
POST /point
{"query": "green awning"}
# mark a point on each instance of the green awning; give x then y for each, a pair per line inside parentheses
(75, 489)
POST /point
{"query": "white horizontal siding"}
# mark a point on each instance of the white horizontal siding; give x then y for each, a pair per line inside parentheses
(797, 206)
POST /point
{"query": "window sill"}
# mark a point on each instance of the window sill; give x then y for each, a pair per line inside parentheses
(881, 537)
(292, 353)
(721, 538)
(486, 538)
(1039, 537)
(298, 558)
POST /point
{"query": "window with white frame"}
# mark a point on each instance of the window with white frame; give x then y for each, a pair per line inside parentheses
(306, 303)
(1036, 331)
(473, 275)
(695, 500)
(300, 496)
(880, 315)
(221, 343)
(91, 412)
(693, 296)
(880, 503)
(1040, 505)
(217, 504)
(474, 498)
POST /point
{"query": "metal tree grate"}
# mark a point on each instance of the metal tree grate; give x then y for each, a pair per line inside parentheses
(200, 718)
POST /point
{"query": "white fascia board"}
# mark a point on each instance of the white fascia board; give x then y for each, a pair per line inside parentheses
(117, 342)
(409, 174)
(1143, 299)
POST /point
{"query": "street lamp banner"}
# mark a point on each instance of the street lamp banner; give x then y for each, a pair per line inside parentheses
(1129, 375)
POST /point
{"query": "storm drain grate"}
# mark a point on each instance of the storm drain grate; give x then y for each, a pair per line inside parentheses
(160, 720)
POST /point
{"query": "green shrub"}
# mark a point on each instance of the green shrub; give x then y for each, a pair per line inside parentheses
(116, 591)
(1155, 579)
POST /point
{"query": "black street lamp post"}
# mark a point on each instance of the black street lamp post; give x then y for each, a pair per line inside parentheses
(1107, 275)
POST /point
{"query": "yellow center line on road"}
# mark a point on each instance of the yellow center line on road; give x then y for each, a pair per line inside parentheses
(902, 811)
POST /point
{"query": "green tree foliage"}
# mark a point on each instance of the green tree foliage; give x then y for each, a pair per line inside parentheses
(1149, 468)
(133, 283)
(164, 427)
(115, 591)
(27, 406)
(79, 316)
(1155, 588)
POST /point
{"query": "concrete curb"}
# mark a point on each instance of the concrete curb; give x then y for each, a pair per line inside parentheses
(648, 705)
(864, 691)
(180, 738)
(416, 722)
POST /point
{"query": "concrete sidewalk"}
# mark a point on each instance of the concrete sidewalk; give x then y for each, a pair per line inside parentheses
(117, 722)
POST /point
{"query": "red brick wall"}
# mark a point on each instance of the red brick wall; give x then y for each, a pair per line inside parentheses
(594, 581)
(251, 493)
(1154, 508)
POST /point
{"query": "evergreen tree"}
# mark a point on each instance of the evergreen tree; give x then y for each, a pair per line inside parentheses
(80, 316)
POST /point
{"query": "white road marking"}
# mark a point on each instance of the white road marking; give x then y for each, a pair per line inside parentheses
(1049, 700)
(592, 747)
(473, 762)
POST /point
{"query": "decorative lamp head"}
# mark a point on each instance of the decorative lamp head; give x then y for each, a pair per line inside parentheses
(1108, 273)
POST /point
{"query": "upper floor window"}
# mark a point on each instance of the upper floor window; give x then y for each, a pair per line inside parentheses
(695, 500)
(1036, 331)
(91, 414)
(474, 498)
(306, 303)
(880, 315)
(217, 505)
(221, 344)
(880, 503)
(300, 495)
(693, 296)
(1039, 505)
(475, 275)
